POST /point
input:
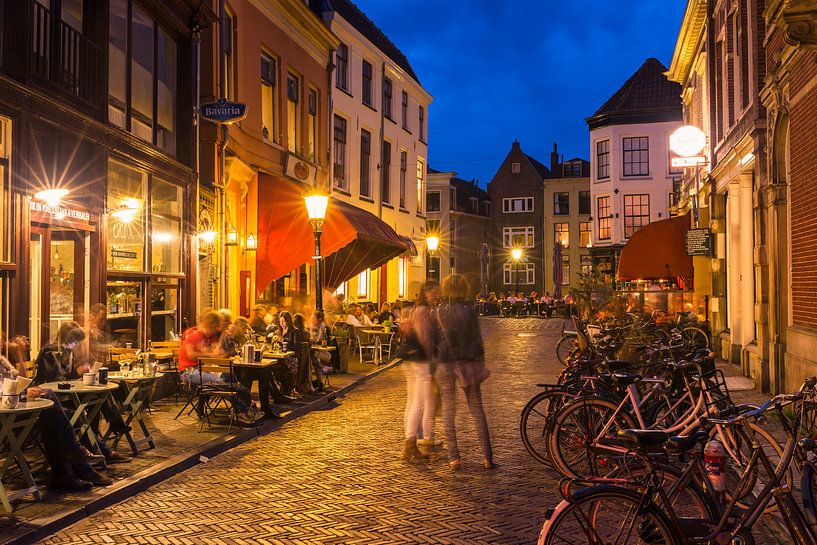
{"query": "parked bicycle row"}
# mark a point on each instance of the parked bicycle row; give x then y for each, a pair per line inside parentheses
(653, 449)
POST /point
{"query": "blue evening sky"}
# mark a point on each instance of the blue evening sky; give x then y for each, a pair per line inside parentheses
(521, 69)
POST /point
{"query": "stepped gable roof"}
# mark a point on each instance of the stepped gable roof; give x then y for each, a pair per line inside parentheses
(647, 97)
(541, 169)
(367, 28)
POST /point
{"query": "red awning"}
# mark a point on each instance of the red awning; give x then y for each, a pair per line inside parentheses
(353, 239)
(657, 251)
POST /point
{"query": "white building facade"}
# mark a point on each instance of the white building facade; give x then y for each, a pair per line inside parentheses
(631, 180)
(379, 149)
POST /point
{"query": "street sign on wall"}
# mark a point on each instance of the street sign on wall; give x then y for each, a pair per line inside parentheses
(223, 111)
(699, 242)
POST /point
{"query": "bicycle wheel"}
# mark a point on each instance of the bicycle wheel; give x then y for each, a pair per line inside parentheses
(607, 514)
(695, 337)
(537, 420)
(572, 443)
(563, 348)
(687, 498)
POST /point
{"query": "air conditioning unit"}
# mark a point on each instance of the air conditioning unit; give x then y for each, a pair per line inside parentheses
(300, 170)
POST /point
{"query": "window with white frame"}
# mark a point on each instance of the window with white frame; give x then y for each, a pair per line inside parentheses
(421, 184)
(340, 154)
(636, 213)
(342, 67)
(515, 168)
(516, 205)
(517, 237)
(603, 159)
(561, 203)
(636, 158)
(561, 234)
(367, 84)
(584, 234)
(605, 214)
(525, 271)
(363, 284)
(293, 112)
(403, 168)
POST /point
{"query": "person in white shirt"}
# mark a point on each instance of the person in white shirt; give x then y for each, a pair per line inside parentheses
(357, 317)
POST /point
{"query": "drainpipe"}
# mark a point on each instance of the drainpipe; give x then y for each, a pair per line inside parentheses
(382, 166)
(223, 269)
(330, 120)
(197, 162)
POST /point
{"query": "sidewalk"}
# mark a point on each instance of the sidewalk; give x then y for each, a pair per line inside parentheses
(179, 446)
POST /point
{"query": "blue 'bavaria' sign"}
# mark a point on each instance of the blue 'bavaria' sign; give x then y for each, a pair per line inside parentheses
(224, 111)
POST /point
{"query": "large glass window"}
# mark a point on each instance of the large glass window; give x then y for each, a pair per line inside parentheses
(340, 153)
(127, 191)
(152, 65)
(164, 309)
(365, 163)
(166, 226)
(636, 213)
(605, 218)
(142, 71)
(636, 156)
(268, 101)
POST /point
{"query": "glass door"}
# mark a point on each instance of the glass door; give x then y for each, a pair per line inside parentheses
(59, 291)
(124, 323)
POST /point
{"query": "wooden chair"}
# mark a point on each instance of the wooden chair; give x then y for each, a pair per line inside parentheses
(171, 367)
(115, 354)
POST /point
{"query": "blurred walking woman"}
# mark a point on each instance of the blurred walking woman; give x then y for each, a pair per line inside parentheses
(460, 358)
(417, 334)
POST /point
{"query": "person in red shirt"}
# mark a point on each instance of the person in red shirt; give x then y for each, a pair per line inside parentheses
(203, 341)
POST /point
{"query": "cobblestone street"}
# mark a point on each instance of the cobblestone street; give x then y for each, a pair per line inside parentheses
(336, 476)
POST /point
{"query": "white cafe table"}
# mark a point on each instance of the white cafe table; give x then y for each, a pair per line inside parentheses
(138, 391)
(15, 427)
(86, 401)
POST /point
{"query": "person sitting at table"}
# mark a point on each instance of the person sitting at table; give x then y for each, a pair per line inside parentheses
(235, 336)
(318, 334)
(386, 314)
(99, 342)
(286, 370)
(397, 310)
(203, 341)
(370, 311)
(357, 318)
(70, 469)
(257, 322)
(303, 378)
(548, 302)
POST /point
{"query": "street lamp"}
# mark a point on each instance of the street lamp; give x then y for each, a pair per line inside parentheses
(516, 253)
(432, 244)
(316, 204)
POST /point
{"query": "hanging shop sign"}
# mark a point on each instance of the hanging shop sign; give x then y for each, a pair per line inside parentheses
(699, 242)
(41, 212)
(223, 111)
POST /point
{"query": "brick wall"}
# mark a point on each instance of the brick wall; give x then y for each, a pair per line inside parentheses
(505, 184)
(802, 177)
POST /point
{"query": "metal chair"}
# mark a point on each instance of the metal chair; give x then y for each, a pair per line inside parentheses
(212, 395)
(365, 341)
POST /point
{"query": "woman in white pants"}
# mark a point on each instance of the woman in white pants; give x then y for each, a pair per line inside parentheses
(418, 336)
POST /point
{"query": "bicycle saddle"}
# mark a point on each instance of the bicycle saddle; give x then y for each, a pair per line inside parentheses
(682, 443)
(616, 366)
(624, 380)
(643, 438)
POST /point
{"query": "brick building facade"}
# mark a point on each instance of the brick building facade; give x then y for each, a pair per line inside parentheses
(516, 192)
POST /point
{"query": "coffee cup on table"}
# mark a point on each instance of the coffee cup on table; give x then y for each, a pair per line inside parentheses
(89, 379)
(10, 401)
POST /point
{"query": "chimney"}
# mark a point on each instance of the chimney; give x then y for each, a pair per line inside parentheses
(554, 160)
(515, 145)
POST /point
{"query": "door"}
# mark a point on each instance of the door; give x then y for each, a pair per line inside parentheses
(59, 290)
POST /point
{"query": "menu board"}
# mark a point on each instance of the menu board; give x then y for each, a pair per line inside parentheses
(699, 242)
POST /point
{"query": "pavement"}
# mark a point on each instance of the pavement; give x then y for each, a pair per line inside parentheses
(335, 476)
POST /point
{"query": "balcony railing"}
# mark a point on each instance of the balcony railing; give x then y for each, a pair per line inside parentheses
(64, 57)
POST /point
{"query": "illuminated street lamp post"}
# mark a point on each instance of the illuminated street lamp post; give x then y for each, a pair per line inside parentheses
(516, 253)
(316, 204)
(432, 244)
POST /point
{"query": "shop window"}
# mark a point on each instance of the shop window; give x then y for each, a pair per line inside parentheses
(164, 309)
(127, 188)
(166, 227)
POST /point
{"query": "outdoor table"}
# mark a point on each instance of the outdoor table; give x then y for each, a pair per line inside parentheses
(15, 427)
(162, 355)
(87, 401)
(138, 390)
(378, 334)
(277, 355)
(247, 377)
(323, 348)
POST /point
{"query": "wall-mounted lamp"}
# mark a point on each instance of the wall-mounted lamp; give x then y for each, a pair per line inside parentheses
(251, 244)
(232, 237)
(51, 197)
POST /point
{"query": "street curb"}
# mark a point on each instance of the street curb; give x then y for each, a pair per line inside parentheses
(141, 481)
